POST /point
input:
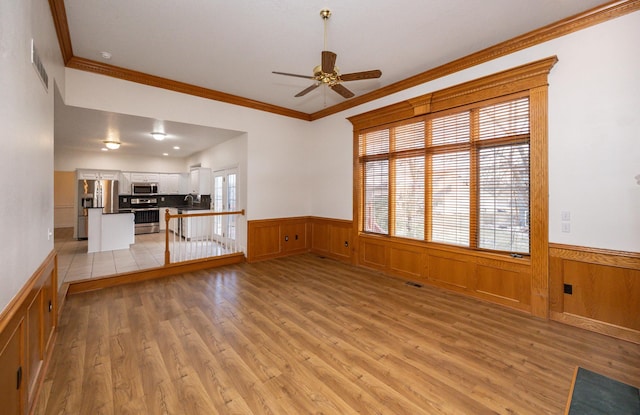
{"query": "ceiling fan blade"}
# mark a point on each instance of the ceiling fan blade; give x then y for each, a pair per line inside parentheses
(356, 76)
(307, 90)
(293, 74)
(328, 61)
(340, 89)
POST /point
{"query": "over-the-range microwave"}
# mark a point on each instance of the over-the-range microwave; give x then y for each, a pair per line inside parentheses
(144, 188)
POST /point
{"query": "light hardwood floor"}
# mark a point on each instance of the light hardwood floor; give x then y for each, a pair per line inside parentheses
(304, 335)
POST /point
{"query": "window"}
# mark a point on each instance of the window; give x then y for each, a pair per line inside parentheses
(458, 177)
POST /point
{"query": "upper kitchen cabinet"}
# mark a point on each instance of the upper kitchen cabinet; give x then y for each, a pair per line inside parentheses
(98, 174)
(125, 183)
(170, 184)
(145, 177)
(200, 181)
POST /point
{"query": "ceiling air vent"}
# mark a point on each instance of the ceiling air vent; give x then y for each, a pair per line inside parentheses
(39, 67)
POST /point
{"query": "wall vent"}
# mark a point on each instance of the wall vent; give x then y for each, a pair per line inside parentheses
(39, 67)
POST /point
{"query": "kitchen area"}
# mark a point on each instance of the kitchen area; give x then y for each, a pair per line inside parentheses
(144, 195)
(119, 223)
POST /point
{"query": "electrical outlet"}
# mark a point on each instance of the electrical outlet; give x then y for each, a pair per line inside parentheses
(565, 216)
(566, 227)
(568, 289)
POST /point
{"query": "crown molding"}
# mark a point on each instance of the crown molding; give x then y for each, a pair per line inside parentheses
(164, 83)
(59, 15)
(563, 27)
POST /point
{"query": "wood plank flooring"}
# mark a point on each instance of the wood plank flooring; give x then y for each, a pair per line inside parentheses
(307, 335)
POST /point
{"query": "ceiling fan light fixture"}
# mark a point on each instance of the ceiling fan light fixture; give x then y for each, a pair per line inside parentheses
(112, 145)
(158, 136)
(327, 72)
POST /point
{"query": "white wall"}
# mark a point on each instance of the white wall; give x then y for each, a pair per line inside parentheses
(72, 160)
(26, 161)
(276, 146)
(594, 136)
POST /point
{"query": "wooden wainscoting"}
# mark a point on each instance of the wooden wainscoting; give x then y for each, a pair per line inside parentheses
(332, 238)
(496, 278)
(605, 290)
(27, 329)
(273, 238)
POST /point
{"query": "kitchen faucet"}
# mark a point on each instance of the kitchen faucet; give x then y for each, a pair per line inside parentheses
(189, 198)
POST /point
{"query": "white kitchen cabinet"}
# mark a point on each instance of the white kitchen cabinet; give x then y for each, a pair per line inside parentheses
(200, 181)
(98, 174)
(183, 184)
(145, 177)
(169, 184)
(124, 187)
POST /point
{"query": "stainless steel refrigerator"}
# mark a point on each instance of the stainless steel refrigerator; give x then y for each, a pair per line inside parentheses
(95, 194)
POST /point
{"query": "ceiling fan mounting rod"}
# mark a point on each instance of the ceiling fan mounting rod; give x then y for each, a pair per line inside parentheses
(325, 14)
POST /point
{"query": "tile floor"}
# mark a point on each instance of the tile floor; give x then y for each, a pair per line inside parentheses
(74, 263)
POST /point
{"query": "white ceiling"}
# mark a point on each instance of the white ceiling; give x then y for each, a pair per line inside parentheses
(232, 46)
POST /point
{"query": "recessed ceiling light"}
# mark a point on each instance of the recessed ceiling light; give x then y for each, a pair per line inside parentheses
(176, 148)
(158, 135)
(105, 55)
(112, 145)
(165, 154)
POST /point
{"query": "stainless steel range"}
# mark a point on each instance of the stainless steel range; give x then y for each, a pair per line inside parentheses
(147, 214)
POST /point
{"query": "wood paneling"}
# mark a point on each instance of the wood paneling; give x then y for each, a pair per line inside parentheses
(294, 237)
(272, 238)
(34, 340)
(539, 203)
(492, 277)
(331, 238)
(264, 240)
(406, 260)
(27, 327)
(605, 290)
(447, 271)
(10, 363)
(503, 286)
(373, 254)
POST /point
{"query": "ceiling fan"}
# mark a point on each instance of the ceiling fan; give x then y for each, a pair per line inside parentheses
(327, 73)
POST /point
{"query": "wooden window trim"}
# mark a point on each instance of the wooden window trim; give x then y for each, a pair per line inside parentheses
(530, 79)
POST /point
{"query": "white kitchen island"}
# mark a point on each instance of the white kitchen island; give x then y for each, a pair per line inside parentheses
(109, 232)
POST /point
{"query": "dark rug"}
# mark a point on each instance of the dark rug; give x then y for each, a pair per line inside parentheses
(595, 394)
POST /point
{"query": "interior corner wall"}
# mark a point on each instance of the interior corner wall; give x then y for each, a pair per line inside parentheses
(594, 135)
(26, 162)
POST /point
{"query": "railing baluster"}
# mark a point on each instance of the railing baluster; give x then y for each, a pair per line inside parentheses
(203, 241)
